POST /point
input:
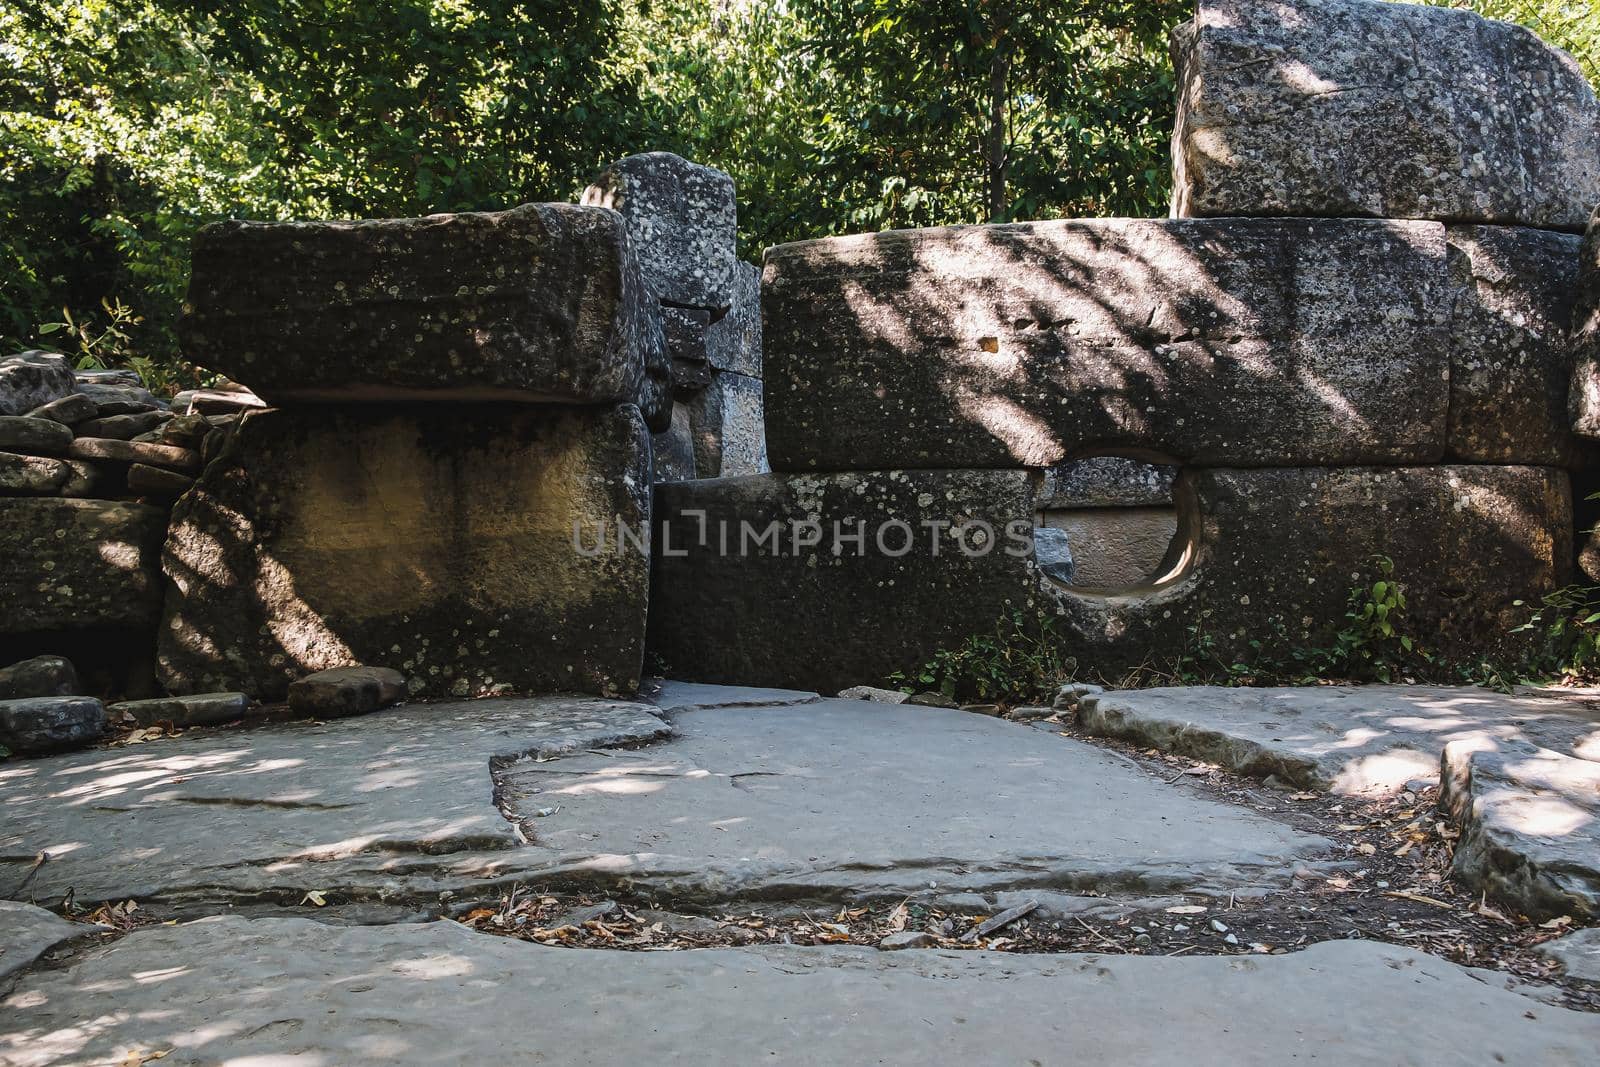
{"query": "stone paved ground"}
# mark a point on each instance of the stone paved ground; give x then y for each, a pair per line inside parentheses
(796, 818)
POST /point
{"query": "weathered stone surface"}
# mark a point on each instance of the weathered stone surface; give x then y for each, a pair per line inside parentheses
(685, 329)
(1583, 399)
(682, 220)
(1115, 548)
(108, 376)
(33, 378)
(440, 541)
(1217, 342)
(728, 427)
(672, 452)
(30, 436)
(542, 302)
(1364, 740)
(232, 988)
(145, 480)
(31, 475)
(185, 431)
(873, 693)
(733, 342)
(1272, 551)
(690, 376)
(1530, 826)
(72, 564)
(123, 427)
(198, 709)
(1578, 953)
(341, 691)
(41, 676)
(216, 401)
(1355, 108)
(68, 410)
(1512, 354)
(48, 724)
(401, 801)
(673, 696)
(1052, 554)
(1107, 482)
(655, 390)
(154, 455)
(27, 932)
(113, 397)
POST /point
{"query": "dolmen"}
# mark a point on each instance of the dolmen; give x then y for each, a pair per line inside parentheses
(1353, 340)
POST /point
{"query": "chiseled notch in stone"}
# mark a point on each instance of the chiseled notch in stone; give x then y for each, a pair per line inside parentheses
(683, 220)
(1219, 342)
(1357, 108)
(539, 303)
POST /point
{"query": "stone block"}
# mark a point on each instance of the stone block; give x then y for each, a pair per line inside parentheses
(727, 426)
(1357, 108)
(456, 544)
(1512, 353)
(1258, 552)
(41, 676)
(672, 452)
(32, 475)
(1232, 342)
(1583, 398)
(197, 709)
(32, 379)
(683, 222)
(1107, 482)
(79, 564)
(539, 303)
(35, 437)
(733, 342)
(344, 691)
(49, 724)
(68, 410)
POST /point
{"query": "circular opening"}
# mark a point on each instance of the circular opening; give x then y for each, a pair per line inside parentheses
(1107, 525)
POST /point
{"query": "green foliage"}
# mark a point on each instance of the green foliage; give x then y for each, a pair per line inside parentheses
(1022, 660)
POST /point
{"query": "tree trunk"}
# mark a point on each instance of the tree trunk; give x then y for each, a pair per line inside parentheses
(995, 150)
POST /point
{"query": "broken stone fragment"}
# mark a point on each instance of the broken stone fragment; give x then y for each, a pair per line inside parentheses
(41, 676)
(35, 437)
(343, 691)
(672, 452)
(196, 709)
(31, 379)
(68, 410)
(36, 725)
(31, 475)
(686, 332)
(185, 431)
(1053, 553)
(727, 426)
(216, 401)
(733, 342)
(873, 693)
(475, 548)
(905, 939)
(541, 303)
(76, 564)
(1218, 342)
(682, 220)
(123, 427)
(1356, 108)
(98, 448)
(145, 480)
(1512, 352)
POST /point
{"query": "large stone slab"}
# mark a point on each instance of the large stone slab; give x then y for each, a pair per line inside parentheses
(440, 542)
(1512, 353)
(1584, 397)
(683, 222)
(1357, 108)
(75, 564)
(1257, 552)
(1366, 740)
(1530, 825)
(27, 932)
(1217, 342)
(851, 800)
(541, 303)
(236, 990)
(399, 804)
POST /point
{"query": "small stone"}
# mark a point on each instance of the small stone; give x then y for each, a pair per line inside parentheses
(49, 724)
(343, 691)
(185, 431)
(1053, 553)
(982, 709)
(873, 693)
(197, 709)
(31, 379)
(109, 376)
(182, 459)
(1030, 713)
(41, 676)
(1232, 939)
(908, 939)
(1219, 926)
(123, 427)
(579, 916)
(144, 480)
(216, 401)
(929, 699)
(31, 475)
(35, 437)
(120, 398)
(1068, 696)
(68, 410)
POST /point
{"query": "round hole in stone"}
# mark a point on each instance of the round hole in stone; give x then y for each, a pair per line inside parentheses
(1109, 525)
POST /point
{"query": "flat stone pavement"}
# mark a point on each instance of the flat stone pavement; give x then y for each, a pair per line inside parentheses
(280, 991)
